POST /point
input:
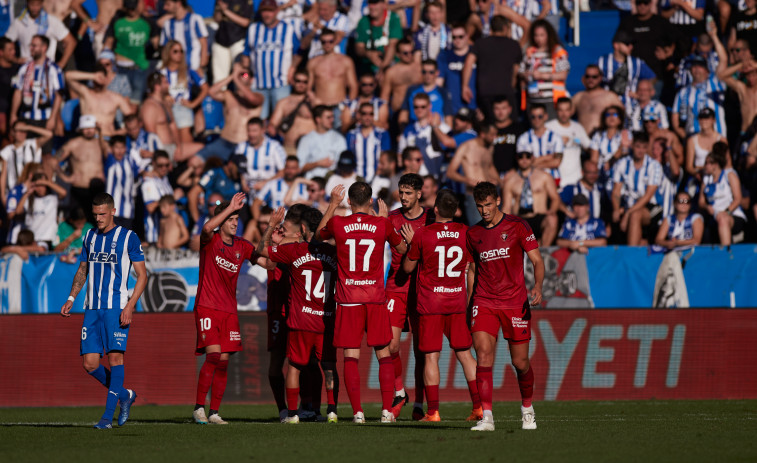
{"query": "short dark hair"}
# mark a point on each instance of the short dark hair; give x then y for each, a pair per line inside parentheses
(498, 23)
(117, 139)
(446, 203)
(564, 99)
(483, 190)
(292, 157)
(294, 214)
(719, 153)
(641, 137)
(131, 117)
(360, 193)
(406, 152)
(501, 99)
(4, 41)
(422, 96)
(485, 125)
(537, 106)
(25, 238)
(167, 199)
(404, 41)
(311, 218)
(222, 207)
(327, 31)
(414, 181)
(103, 198)
(43, 38)
(255, 121)
(153, 80)
(391, 155)
(320, 109)
(160, 154)
(429, 62)
(320, 181)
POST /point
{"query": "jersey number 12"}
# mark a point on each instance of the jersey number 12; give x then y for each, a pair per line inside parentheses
(456, 254)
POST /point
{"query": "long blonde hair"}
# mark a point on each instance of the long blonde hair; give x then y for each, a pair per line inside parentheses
(166, 59)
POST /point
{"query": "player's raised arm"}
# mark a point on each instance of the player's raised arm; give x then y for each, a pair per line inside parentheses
(79, 279)
(535, 294)
(276, 218)
(237, 203)
(337, 196)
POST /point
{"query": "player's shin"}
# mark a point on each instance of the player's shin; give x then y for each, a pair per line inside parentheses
(102, 375)
(219, 385)
(420, 363)
(205, 379)
(526, 386)
(114, 391)
(399, 386)
(332, 387)
(292, 388)
(352, 382)
(386, 382)
(484, 383)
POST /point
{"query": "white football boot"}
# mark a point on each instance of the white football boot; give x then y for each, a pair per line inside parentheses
(529, 418)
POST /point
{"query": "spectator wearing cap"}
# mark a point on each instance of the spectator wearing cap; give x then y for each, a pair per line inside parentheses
(644, 107)
(545, 68)
(420, 135)
(583, 231)
(35, 21)
(450, 62)
(224, 180)
(646, 30)
(37, 88)
(574, 139)
(705, 91)
(319, 150)
(462, 130)
(189, 30)
(682, 229)
(699, 145)
(376, 36)
(429, 74)
(435, 36)
(127, 37)
(366, 142)
(622, 71)
(686, 16)
(344, 174)
(273, 47)
(115, 81)
(274, 192)
(233, 18)
(703, 48)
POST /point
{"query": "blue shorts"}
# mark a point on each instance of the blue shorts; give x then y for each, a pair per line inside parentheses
(102, 332)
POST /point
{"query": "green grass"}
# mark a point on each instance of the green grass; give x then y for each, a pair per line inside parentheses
(676, 431)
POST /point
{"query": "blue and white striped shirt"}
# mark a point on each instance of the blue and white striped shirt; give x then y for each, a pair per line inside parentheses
(637, 70)
(264, 162)
(273, 193)
(594, 194)
(666, 192)
(695, 97)
(572, 230)
(120, 179)
(367, 149)
(338, 23)
(354, 105)
(109, 256)
(529, 9)
(684, 74)
(635, 181)
(548, 143)
(420, 137)
(145, 141)
(636, 114)
(47, 81)
(682, 229)
(605, 145)
(182, 90)
(271, 51)
(426, 37)
(187, 32)
(680, 16)
(154, 188)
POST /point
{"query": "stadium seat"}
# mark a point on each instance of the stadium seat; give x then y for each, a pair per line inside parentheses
(597, 30)
(70, 114)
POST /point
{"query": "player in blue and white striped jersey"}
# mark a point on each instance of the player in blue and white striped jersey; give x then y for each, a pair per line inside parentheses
(121, 173)
(705, 91)
(328, 17)
(264, 156)
(189, 30)
(37, 86)
(272, 46)
(153, 188)
(545, 145)
(367, 142)
(108, 253)
(636, 179)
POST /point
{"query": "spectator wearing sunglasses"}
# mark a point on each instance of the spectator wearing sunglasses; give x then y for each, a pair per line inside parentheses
(428, 86)
(683, 229)
(545, 145)
(420, 134)
(595, 96)
(367, 142)
(366, 94)
(450, 63)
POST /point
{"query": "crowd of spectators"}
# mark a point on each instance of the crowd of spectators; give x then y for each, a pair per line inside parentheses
(172, 113)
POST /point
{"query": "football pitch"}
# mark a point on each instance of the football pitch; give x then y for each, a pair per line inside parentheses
(676, 431)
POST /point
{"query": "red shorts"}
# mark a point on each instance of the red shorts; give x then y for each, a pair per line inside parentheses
(514, 328)
(301, 344)
(453, 325)
(215, 327)
(396, 304)
(354, 320)
(277, 331)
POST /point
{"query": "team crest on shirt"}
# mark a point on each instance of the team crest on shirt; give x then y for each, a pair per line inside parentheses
(503, 236)
(359, 219)
(113, 245)
(237, 255)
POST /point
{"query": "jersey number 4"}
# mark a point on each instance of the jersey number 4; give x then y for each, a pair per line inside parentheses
(455, 253)
(324, 282)
(370, 244)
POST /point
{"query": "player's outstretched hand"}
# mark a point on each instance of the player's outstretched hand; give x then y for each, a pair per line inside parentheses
(277, 217)
(337, 195)
(238, 201)
(65, 311)
(126, 315)
(534, 296)
(407, 232)
(383, 209)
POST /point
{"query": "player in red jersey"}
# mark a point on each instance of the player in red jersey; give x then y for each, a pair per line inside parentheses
(218, 335)
(499, 297)
(312, 272)
(361, 299)
(443, 256)
(400, 293)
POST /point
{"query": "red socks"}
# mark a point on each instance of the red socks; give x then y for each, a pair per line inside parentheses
(484, 383)
(386, 382)
(352, 382)
(206, 376)
(474, 397)
(277, 387)
(292, 393)
(219, 384)
(526, 385)
(397, 362)
(432, 395)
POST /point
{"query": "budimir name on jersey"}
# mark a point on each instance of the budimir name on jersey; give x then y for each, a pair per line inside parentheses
(360, 226)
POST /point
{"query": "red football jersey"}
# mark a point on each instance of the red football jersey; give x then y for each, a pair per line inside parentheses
(312, 275)
(219, 271)
(398, 281)
(360, 240)
(443, 256)
(498, 254)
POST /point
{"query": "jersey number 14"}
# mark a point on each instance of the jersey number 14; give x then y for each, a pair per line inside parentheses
(324, 282)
